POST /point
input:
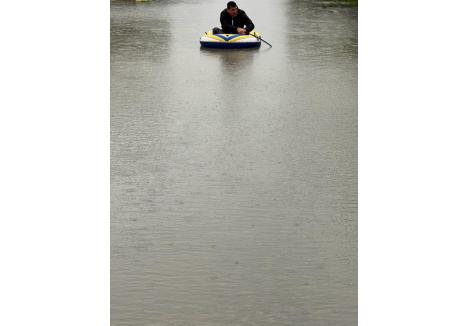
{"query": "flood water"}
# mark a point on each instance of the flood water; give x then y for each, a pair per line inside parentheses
(233, 173)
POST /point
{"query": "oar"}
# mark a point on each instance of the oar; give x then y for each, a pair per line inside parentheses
(259, 38)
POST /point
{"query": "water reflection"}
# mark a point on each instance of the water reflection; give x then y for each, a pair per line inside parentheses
(139, 32)
(323, 34)
(233, 62)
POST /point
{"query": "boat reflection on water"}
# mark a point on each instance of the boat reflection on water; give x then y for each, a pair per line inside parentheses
(231, 60)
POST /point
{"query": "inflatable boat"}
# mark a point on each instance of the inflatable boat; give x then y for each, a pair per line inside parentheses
(230, 41)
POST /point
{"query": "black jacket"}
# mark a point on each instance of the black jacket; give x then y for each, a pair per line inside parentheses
(230, 24)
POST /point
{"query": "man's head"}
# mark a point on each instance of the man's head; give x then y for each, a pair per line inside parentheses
(232, 9)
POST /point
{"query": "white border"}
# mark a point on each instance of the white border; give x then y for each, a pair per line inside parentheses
(413, 163)
(54, 167)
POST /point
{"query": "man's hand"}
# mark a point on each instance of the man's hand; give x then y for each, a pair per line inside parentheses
(241, 31)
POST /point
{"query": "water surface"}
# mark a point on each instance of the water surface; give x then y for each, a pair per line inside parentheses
(233, 173)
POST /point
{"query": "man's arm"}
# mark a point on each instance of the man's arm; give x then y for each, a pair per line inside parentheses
(226, 24)
(249, 25)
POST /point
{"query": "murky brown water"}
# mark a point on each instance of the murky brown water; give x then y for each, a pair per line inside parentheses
(233, 173)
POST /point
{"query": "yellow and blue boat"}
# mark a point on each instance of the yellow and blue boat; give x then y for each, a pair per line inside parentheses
(230, 41)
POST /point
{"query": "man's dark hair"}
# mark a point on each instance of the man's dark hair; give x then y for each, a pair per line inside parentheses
(231, 4)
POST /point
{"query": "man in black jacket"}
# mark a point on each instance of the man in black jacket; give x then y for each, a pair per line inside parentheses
(234, 21)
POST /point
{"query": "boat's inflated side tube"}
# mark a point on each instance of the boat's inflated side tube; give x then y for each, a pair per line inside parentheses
(230, 41)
